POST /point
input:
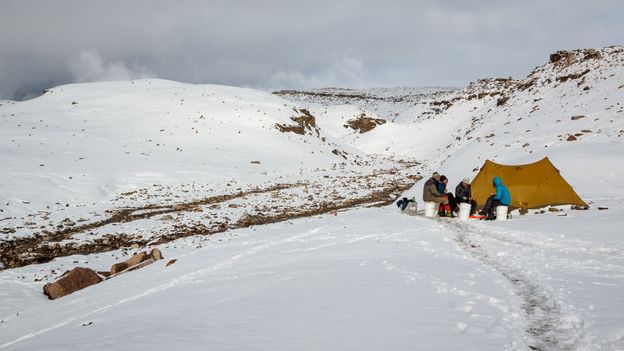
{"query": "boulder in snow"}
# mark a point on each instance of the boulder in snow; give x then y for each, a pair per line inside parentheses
(71, 281)
(137, 261)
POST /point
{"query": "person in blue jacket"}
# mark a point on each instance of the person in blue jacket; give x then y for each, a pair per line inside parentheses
(501, 198)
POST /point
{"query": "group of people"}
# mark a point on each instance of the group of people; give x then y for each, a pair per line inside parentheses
(435, 190)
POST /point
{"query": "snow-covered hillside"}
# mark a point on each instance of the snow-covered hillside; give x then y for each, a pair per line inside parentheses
(273, 206)
(85, 162)
(570, 109)
(81, 142)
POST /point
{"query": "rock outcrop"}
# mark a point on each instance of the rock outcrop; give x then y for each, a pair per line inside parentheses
(71, 281)
(80, 277)
(137, 261)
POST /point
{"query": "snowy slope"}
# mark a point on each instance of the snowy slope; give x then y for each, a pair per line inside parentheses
(579, 94)
(366, 278)
(93, 167)
(86, 142)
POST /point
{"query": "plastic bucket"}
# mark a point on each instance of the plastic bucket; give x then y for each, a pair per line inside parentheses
(430, 209)
(501, 213)
(411, 209)
(464, 211)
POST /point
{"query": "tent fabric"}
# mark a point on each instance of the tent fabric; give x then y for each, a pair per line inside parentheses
(532, 185)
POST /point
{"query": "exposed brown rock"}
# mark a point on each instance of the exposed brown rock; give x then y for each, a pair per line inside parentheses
(578, 75)
(526, 85)
(592, 54)
(304, 122)
(137, 261)
(171, 262)
(562, 58)
(339, 153)
(574, 118)
(131, 262)
(571, 138)
(156, 254)
(364, 124)
(71, 281)
(502, 101)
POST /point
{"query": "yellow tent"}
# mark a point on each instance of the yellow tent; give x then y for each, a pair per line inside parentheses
(532, 185)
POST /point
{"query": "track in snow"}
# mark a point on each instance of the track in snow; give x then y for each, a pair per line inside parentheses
(546, 328)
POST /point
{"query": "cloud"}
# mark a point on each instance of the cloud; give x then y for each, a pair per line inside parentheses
(89, 66)
(291, 44)
(342, 71)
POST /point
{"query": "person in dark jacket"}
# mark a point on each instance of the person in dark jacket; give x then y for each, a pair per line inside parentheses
(463, 194)
(501, 198)
(448, 211)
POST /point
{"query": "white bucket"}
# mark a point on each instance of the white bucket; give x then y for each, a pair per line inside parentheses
(430, 209)
(501, 213)
(464, 211)
(411, 209)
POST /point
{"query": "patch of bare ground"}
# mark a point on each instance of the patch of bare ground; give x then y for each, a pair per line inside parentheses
(364, 124)
(303, 122)
(45, 246)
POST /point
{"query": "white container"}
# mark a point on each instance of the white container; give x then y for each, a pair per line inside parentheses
(411, 209)
(430, 209)
(464, 211)
(501, 213)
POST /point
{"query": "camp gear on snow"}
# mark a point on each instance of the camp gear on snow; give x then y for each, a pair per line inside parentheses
(531, 185)
(402, 204)
(430, 208)
(412, 208)
(464, 211)
(501, 213)
(476, 216)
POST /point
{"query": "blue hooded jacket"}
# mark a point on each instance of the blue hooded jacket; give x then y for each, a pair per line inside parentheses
(441, 187)
(502, 193)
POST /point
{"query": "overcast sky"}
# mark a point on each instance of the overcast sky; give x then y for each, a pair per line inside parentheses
(291, 44)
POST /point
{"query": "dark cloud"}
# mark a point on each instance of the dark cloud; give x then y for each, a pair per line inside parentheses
(291, 44)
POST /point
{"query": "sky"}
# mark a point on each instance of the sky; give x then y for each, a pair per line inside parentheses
(275, 44)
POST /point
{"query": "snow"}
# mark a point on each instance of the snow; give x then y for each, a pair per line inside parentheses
(366, 278)
(85, 142)
(267, 287)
